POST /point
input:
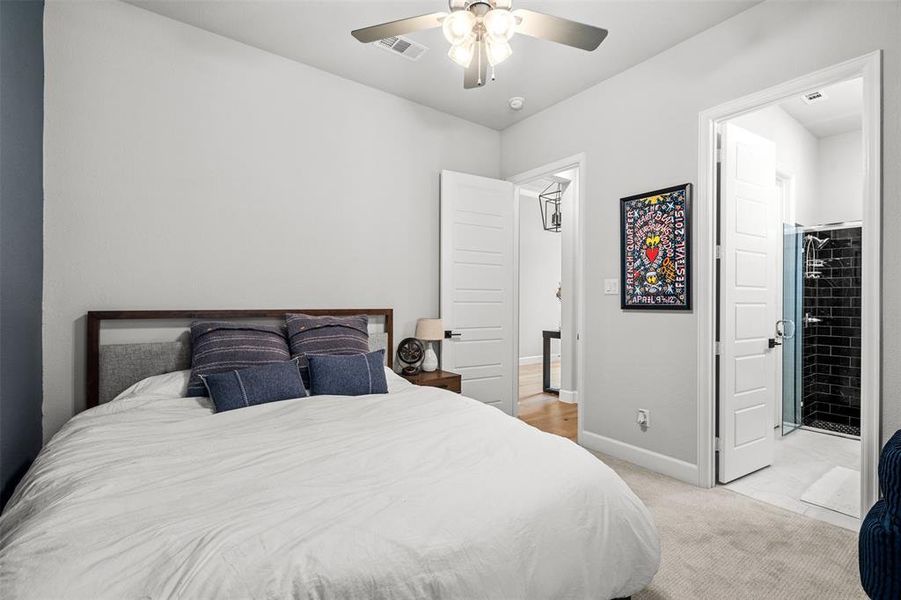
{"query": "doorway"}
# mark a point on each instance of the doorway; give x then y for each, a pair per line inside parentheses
(542, 202)
(479, 293)
(546, 358)
(789, 311)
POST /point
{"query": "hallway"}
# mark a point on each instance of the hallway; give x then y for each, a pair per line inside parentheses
(543, 410)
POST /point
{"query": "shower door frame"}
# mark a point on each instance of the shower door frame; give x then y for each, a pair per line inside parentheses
(798, 327)
(869, 68)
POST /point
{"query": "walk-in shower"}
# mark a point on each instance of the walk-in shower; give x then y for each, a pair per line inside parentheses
(821, 328)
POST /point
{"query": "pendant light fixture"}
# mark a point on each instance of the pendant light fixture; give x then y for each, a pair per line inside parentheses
(549, 204)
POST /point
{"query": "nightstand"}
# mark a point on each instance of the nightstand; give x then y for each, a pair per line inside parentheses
(439, 379)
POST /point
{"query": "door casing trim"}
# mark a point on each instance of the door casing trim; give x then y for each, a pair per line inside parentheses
(869, 68)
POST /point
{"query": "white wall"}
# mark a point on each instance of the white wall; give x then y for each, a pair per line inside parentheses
(186, 170)
(639, 131)
(796, 156)
(827, 173)
(540, 262)
(840, 178)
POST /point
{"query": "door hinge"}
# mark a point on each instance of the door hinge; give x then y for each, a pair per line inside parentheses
(716, 348)
(717, 251)
(716, 444)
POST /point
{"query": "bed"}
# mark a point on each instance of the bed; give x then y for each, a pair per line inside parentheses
(417, 493)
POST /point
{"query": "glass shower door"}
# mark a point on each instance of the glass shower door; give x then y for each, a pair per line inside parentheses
(791, 326)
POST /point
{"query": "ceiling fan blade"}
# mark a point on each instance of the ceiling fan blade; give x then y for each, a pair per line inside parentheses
(476, 75)
(562, 31)
(401, 27)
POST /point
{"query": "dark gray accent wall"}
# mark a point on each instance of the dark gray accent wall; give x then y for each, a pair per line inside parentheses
(21, 236)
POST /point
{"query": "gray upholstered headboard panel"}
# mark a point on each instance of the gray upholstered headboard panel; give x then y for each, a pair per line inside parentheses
(378, 340)
(113, 367)
(122, 365)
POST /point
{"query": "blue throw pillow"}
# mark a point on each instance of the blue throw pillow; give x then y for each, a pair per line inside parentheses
(352, 375)
(325, 335)
(256, 385)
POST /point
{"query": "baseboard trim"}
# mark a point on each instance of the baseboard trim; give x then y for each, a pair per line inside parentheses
(654, 461)
(569, 396)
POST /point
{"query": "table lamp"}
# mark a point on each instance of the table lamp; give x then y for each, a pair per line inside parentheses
(429, 330)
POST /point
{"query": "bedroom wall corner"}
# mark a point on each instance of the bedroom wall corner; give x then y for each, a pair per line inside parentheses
(187, 170)
(639, 132)
(21, 233)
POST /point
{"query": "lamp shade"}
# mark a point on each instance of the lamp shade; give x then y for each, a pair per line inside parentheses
(429, 330)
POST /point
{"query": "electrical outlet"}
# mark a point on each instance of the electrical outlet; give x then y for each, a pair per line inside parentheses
(611, 286)
(644, 417)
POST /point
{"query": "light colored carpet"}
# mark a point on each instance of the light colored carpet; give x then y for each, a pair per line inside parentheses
(718, 544)
(838, 490)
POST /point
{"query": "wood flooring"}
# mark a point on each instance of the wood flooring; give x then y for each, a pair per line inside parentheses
(545, 411)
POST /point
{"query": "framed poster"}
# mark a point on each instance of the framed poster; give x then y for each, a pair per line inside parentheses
(655, 231)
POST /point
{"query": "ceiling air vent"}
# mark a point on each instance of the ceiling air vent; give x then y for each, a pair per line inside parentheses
(811, 97)
(402, 46)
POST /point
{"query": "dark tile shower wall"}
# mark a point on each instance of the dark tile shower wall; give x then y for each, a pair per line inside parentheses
(832, 347)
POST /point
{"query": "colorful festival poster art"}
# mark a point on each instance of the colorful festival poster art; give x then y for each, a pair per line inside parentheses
(656, 254)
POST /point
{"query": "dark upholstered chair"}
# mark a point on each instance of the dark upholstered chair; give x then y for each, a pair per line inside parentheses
(880, 532)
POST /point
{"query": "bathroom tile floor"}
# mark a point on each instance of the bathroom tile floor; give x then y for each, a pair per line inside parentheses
(799, 459)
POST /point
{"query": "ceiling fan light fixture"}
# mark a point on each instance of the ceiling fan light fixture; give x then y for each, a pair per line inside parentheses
(498, 51)
(500, 24)
(462, 53)
(479, 32)
(458, 26)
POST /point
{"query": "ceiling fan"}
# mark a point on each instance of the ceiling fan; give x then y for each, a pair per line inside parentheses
(479, 32)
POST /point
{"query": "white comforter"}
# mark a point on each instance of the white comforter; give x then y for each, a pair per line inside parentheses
(420, 493)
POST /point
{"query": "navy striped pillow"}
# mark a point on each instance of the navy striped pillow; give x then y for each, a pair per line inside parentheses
(217, 347)
(329, 335)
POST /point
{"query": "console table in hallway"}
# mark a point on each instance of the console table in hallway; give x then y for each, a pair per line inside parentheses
(548, 335)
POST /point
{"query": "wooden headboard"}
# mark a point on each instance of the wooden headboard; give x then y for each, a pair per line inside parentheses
(96, 318)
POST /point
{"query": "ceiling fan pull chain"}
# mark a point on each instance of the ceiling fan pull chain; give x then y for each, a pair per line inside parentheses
(480, 45)
(492, 73)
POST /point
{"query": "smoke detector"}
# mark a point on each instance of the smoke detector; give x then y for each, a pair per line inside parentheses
(402, 46)
(517, 102)
(816, 96)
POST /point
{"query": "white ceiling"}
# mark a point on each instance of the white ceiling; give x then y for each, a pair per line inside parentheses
(840, 112)
(318, 33)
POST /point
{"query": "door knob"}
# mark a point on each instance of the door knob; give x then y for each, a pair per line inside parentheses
(772, 343)
(448, 334)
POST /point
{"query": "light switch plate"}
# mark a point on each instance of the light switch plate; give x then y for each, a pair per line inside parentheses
(611, 286)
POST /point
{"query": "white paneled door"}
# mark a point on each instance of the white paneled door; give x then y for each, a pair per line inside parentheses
(747, 302)
(477, 285)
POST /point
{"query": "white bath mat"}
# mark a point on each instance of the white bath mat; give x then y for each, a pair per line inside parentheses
(838, 490)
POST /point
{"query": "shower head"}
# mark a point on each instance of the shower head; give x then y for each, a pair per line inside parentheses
(818, 243)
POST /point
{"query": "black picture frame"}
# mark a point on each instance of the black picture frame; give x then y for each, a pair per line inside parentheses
(667, 210)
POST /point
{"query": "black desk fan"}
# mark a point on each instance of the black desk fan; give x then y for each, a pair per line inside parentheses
(410, 353)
